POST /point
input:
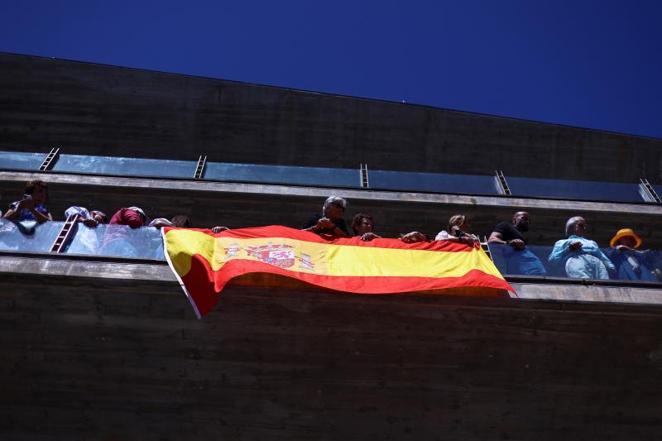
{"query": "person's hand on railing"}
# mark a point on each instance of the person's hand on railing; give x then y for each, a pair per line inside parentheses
(413, 237)
(518, 244)
(369, 236)
(575, 246)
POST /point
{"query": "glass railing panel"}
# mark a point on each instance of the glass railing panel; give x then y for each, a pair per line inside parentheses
(432, 182)
(632, 266)
(118, 166)
(118, 241)
(21, 160)
(282, 174)
(574, 190)
(28, 236)
(658, 190)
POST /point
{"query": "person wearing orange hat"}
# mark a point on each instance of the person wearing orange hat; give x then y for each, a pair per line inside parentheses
(631, 263)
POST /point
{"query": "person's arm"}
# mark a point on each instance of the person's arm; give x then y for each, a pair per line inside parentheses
(497, 237)
(606, 260)
(560, 251)
(369, 236)
(41, 217)
(13, 211)
(413, 237)
(322, 224)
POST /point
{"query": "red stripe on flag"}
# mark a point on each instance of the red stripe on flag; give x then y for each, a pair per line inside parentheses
(204, 285)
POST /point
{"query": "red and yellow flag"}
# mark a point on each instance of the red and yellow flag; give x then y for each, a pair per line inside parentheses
(205, 262)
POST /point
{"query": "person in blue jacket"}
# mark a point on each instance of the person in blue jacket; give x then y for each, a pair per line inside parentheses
(631, 263)
(580, 257)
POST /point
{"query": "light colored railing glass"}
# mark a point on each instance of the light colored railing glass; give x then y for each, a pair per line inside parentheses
(574, 190)
(21, 161)
(28, 236)
(432, 182)
(604, 263)
(282, 174)
(117, 241)
(117, 166)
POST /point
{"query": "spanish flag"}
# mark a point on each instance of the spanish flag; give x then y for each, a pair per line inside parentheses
(205, 262)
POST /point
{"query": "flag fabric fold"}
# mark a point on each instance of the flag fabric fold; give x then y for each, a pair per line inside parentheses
(205, 262)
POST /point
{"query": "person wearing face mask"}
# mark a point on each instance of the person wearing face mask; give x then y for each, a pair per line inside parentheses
(580, 257)
(519, 259)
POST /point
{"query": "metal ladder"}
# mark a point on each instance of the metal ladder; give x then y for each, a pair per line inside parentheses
(50, 160)
(501, 183)
(65, 234)
(200, 168)
(647, 192)
(364, 176)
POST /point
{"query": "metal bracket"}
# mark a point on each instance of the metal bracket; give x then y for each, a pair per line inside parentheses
(647, 192)
(50, 159)
(501, 183)
(200, 168)
(364, 176)
(486, 248)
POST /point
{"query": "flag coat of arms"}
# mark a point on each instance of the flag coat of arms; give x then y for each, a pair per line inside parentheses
(205, 262)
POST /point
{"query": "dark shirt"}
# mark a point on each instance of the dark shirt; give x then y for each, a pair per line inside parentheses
(509, 232)
(340, 223)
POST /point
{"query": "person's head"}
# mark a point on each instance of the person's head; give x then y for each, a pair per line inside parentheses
(575, 225)
(38, 190)
(627, 237)
(521, 221)
(458, 222)
(181, 221)
(362, 223)
(334, 207)
(98, 216)
(140, 212)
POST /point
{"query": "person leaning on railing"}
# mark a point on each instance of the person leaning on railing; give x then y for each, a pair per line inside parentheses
(631, 262)
(363, 226)
(519, 259)
(330, 223)
(580, 257)
(89, 218)
(457, 231)
(33, 205)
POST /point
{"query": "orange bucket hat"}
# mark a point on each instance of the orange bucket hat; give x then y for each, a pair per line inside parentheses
(625, 232)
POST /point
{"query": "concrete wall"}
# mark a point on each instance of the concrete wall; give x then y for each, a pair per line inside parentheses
(120, 360)
(105, 110)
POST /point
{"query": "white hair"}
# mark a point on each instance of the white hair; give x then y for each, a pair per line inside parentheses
(335, 200)
(571, 223)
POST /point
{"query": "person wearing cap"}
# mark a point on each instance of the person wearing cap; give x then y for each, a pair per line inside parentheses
(134, 217)
(330, 223)
(580, 257)
(519, 259)
(631, 263)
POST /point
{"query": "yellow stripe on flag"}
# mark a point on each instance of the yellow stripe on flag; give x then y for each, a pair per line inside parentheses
(326, 259)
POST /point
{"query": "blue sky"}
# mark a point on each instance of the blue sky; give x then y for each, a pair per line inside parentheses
(592, 64)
